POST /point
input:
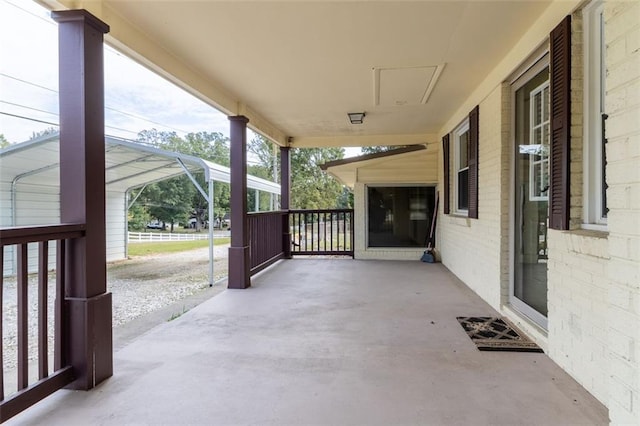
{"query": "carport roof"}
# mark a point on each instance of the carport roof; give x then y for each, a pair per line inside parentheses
(128, 165)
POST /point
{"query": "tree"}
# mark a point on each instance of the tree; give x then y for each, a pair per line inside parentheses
(169, 201)
(214, 147)
(138, 216)
(376, 149)
(263, 154)
(3, 141)
(345, 200)
(46, 132)
(161, 198)
(261, 171)
(311, 188)
(262, 149)
(221, 199)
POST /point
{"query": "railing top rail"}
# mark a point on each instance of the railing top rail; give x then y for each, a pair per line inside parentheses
(269, 213)
(321, 211)
(29, 234)
(276, 212)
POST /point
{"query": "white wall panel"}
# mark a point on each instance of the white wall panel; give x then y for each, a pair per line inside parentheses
(116, 225)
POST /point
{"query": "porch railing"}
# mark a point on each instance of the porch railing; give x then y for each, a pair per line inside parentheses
(322, 232)
(312, 232)
(27, 391)
(265, 239)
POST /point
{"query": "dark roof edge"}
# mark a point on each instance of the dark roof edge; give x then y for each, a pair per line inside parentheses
(390, 153)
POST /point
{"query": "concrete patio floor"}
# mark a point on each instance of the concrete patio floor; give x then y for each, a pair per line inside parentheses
(327, 341)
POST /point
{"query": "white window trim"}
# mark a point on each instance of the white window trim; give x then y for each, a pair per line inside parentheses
(593, 108)
(457, 132)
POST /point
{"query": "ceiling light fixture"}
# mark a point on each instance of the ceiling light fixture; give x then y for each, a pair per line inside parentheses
(356, 117)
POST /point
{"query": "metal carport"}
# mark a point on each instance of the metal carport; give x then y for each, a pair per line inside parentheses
(30, 194)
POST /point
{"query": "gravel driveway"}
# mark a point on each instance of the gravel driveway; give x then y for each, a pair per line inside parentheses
(140, 286)
(148, 283)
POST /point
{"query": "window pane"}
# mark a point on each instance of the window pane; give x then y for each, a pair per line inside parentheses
(545, 141)
(545, 104)
(537, 109)
(537, 137)
(462, 153)
(602, 75)
(399, 216)
(536, 181)
(604, 210)
(463, 189)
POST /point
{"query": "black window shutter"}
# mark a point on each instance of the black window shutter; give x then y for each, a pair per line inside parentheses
(446, 165)
(472, 155)
(560, 78)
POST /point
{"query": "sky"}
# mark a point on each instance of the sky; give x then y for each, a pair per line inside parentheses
(136, 99)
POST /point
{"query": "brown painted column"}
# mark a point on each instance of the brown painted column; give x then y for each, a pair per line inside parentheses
(285, 195)
(89, 347)
(239, 276)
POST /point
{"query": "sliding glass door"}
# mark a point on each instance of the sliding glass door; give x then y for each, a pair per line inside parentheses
(530, 95)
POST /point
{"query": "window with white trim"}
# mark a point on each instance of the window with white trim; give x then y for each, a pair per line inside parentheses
(539, 143)
(595, 185)
(461, 167)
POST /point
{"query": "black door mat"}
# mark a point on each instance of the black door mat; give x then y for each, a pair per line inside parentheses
(494, 334)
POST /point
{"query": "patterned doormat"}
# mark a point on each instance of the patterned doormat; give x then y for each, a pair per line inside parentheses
(494, 334)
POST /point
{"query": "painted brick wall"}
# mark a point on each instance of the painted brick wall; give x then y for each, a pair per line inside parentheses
(622, 36)
(576, 188)
(505, 190)
(577, 282)
(577, 291)
(473, 248)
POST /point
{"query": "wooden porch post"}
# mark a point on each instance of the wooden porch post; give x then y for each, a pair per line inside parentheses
(239, 275)
(285, 194)
(88, 343)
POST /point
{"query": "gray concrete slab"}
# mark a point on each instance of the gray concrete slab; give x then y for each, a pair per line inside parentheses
(327, 341)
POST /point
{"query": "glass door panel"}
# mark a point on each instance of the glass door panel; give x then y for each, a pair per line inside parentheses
(531, 195)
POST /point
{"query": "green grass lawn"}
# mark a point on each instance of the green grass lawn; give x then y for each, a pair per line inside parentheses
(144, 249)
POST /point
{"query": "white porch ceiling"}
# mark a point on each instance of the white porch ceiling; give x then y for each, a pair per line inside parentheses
(295, 68)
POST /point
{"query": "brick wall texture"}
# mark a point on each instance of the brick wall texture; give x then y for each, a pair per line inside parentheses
(474, 249)
(576, 278)
(622, 104)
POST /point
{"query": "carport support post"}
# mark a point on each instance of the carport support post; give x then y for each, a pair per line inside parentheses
(88, 343)
(211, 222)
(285, 185)
(239, 275)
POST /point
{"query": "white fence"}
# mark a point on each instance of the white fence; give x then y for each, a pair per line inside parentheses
(144, 237)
